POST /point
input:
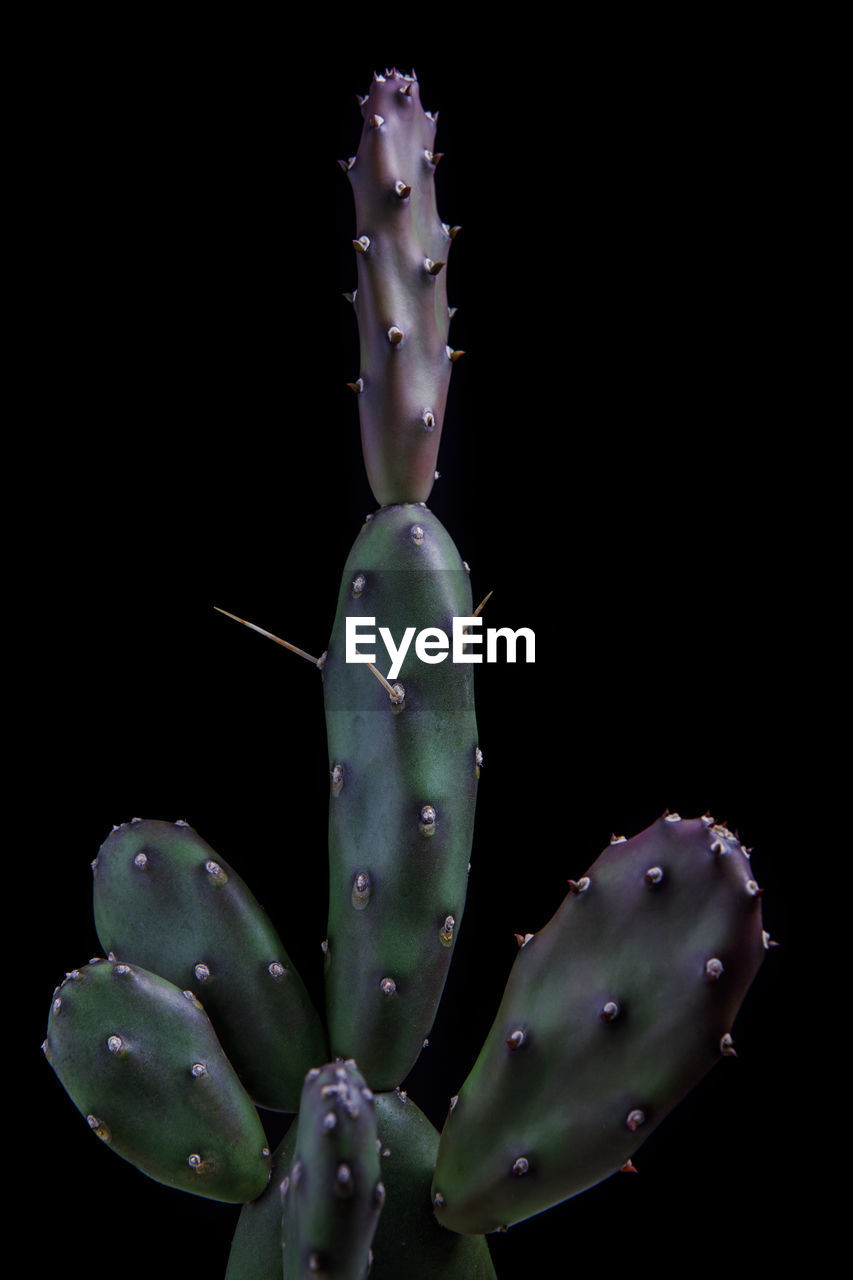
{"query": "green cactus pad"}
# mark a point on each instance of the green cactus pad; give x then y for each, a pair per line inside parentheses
(165, 900)
(333, 1195)
(409, 1242)
(141, 1061)
(403, 792)
(401, 301)
(611, 1014)
(256, 1250)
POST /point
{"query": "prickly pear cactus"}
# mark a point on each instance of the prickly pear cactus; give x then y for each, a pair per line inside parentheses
(333, 1194)
(141, 1061)
(164, 897)
(318, 993)
(403, 784)
(628, 995)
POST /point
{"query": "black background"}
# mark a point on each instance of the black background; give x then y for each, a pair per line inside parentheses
(603, 469)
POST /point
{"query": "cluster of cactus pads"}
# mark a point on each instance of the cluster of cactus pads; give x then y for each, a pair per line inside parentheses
(197, 1016)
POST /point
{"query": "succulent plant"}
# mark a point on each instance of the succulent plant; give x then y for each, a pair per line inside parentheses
(404, 768)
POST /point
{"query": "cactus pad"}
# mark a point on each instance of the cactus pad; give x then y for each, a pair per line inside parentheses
(333, 1195)
(403, 792)
(141, 1061)
(165, 900)
(612, 1012)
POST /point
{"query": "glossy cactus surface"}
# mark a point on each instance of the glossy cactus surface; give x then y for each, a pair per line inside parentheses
(403, 784)
(409, 1241)
(401, 301)
(612, 1012)
(166, 900)
(140, 1059)
(333, 1193)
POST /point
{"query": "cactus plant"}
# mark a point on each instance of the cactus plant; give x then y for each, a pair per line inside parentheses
(344, 884)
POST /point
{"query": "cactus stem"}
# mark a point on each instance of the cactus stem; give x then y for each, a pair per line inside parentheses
(485, 600)
(285, 643)
(396, 692)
